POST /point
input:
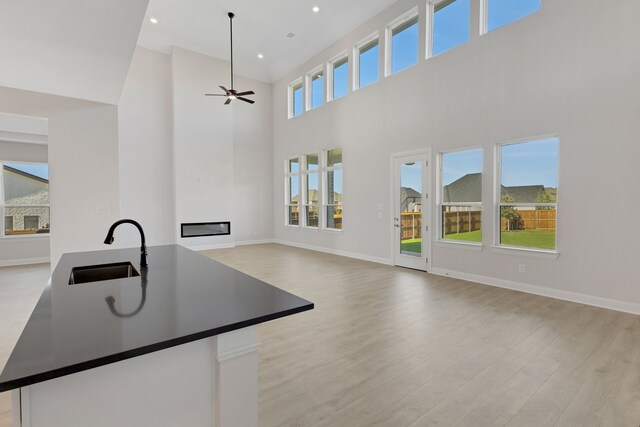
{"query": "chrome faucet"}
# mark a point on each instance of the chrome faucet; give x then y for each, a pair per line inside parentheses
(143, 247)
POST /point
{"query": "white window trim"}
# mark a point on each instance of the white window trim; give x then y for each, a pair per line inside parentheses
(484, 17)
(440, 195)
(506, 249)
(3, 206)
(390, 27)
(287, 193)
(329, 78)
(291, 101)
(356, 58)
(308, 91)
(325, 202)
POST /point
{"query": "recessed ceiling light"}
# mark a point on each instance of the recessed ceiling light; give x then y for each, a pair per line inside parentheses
(260, 56)
(316, 9)
(291, 35)
(153, 20)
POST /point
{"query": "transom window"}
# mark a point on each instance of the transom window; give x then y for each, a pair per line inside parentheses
(450, 25)
(296, 98)
(316, 88)
(402, 51)
(339, 77)
(503, 12)
(25, 199)
(528, 194)
(461, 196)
(367, 56)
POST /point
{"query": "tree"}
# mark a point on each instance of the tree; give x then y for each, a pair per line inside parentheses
(544, 197)
(509, 213)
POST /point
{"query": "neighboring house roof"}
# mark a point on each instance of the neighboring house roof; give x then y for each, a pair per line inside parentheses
(523, 193)
(469, 189)
(466, 189)
(25, 174)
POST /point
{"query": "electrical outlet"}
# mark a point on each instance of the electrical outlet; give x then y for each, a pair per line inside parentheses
(522, 268)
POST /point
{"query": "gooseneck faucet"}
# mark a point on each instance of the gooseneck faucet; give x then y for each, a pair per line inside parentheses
(143, 247)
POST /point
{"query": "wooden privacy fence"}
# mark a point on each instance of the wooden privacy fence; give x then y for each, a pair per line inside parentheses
(462, 222)
(532, 220)
(411, 225)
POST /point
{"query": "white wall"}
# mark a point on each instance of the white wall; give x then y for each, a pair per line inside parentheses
(83, 170)
(145, 149)
(570, 69)
(222, 153)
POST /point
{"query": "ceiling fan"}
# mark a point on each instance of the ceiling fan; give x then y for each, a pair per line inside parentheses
(232, 94)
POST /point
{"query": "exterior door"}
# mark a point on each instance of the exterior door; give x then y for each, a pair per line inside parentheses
(411, 208)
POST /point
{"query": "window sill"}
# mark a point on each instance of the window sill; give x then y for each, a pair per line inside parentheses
(309, 228)
(42, 236)
(460, 245)
(332, 230)
(537, 253)
(291, 226)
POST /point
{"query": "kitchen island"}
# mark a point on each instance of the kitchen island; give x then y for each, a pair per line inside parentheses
(174, 344)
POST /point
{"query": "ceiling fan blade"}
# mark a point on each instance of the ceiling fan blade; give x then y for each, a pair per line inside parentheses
(224, 89)
(228, 101)
(213, 94)
(250, 92)
(246, 100)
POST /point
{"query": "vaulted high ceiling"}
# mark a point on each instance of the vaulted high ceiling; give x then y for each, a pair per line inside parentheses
(260, 26)
(78, 49)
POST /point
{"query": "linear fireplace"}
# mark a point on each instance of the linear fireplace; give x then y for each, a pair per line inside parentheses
(202, 229)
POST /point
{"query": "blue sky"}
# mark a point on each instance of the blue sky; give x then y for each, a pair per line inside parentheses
(451, 26)
(457, 164)
(404, 49)
(340, 80)
(502, 12)
(369, 64)
(34, 169)
(531, 163)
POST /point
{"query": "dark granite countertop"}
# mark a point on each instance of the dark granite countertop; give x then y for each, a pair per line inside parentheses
(187, 297)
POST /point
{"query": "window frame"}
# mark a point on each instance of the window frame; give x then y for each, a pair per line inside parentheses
(308, 91)
(4, 206)
(400, 21)
(287, 190)
(297, 83)
(498, 204)
(357, 49)
(330, 77)
(441, 204)
(325, 183)
(431, 13)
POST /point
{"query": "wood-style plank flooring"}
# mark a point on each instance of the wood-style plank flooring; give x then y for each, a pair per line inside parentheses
(387, 346)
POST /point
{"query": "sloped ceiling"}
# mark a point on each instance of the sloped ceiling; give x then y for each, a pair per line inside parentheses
(73, 48)
(260, 26)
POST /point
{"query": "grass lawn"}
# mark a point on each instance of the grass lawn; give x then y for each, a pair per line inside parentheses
(538, 239)
(411, 245)
(471, 236)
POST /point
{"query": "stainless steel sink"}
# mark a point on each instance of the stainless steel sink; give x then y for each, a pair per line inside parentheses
(98, 273)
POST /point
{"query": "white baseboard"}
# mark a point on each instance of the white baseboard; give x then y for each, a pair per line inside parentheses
(254, 242)
(198, 248)
(355, 255)
(24, 261)
(626, 307)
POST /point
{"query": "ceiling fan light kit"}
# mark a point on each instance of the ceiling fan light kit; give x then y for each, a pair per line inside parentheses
(232, 94)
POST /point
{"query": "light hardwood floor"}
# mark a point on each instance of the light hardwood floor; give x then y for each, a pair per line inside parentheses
(387, 346)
